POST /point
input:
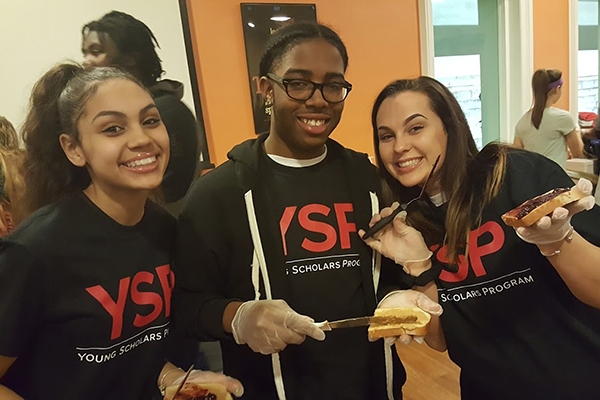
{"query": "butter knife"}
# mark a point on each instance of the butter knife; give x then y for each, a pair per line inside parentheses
(348, 323)
(327, 326)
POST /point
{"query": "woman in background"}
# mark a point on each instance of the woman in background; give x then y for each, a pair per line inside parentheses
(545, 129)
(11, 180)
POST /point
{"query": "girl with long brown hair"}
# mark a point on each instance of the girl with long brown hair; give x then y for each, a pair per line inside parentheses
(521, 314)
(546, 129)
(85, 281)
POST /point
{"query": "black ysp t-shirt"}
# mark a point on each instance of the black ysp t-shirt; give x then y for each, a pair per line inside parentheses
(510, 321)
(315, 241)
(85, 302)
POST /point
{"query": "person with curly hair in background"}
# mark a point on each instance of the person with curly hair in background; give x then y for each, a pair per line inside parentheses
(11, 180)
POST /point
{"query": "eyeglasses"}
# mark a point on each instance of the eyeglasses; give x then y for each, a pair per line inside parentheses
(302, 90)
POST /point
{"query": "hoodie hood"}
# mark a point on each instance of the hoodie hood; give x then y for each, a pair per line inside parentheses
(167, 87)
(247, 155)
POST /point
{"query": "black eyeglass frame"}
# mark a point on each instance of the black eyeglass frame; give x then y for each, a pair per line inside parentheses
(285, 82)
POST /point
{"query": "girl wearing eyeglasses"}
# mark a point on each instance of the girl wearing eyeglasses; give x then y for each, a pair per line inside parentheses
(546, 129)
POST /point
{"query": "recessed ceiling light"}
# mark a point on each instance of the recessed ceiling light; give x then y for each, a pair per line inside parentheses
(251, 25)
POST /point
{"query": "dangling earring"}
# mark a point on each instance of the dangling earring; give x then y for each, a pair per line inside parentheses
(268, 105)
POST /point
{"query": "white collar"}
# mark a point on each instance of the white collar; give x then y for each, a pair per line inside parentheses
(438, 199)
(295, 163)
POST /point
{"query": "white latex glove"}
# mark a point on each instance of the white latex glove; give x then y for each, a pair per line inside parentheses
(232, 385)
(268, 326)
(556, 227)
(409, 298)
(399, 241)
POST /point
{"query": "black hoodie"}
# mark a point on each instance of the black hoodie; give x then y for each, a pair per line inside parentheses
(183, 138)
(214, 264)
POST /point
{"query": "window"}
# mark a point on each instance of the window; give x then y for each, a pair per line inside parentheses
(467, 60)
(462, 75)
(587, 56)
(455, 12)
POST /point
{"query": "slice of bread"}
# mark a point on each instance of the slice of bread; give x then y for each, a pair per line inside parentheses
(398, 321)
(191, 390)
(533, 210)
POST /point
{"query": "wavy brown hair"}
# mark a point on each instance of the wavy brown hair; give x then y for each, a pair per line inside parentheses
(469, 178)
(11, 162)
(539, 83)
(56, 105)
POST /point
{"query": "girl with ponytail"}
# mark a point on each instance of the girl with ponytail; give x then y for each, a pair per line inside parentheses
(85, 281)
(545, 129)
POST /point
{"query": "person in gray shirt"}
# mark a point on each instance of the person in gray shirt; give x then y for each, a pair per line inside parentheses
(545, 129)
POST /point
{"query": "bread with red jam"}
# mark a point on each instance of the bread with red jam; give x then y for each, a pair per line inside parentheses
(534, 209)
(198, 391)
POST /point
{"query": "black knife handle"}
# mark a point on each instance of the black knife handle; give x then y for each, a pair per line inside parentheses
(382, 223)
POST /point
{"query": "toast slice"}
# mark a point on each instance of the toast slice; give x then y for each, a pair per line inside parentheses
(533, 210)
(400, 320)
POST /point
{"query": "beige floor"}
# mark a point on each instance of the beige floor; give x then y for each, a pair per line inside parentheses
(430, 374)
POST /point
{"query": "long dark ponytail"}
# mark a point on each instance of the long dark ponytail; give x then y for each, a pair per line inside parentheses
(56, 105)
(539, 83)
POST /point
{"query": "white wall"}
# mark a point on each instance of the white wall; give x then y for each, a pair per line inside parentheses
(36, 34)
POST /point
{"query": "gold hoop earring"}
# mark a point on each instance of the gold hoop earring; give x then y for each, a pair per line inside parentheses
(269, 106)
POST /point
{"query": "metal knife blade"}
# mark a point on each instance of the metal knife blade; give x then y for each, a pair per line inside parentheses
(348, 323)
(365, 321)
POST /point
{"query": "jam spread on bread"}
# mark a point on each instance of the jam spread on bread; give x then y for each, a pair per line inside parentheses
(192, 392)
(532, 204)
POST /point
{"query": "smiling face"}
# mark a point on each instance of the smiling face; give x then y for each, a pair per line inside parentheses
(121, 139)
(299, 129)
(411, 136)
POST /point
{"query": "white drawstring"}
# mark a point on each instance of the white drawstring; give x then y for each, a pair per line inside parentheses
(376, 257)
(376, 268)
(255, 275)
(259, 261)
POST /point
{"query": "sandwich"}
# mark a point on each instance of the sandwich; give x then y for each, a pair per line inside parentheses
(533, 210)
(198, 391)
(398, 321)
